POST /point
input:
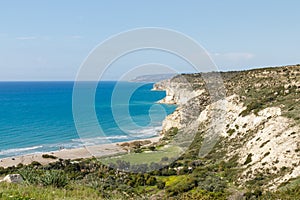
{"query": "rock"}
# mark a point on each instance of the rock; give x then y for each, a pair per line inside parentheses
(12, 178)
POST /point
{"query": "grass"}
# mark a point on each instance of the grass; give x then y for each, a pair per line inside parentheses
(30, 192)
(171, 180)
(145, 157)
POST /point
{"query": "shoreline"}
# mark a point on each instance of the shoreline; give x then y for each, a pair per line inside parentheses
(98, 151)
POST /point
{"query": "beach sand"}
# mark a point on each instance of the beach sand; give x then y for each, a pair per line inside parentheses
(83, 152)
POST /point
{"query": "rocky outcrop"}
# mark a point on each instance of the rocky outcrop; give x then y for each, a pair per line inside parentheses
(12, 178)
(178, 90)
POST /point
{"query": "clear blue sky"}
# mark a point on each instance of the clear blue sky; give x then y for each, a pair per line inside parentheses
(48, 40)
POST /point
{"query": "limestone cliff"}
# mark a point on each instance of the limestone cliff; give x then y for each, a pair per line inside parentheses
(261, 124)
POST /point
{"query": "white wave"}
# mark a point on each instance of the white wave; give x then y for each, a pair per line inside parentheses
(18, 150)
(96, 140)
(150, 131)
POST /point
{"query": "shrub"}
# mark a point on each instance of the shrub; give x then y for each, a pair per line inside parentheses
(183, 171)
(49, 156)
(139, 150)
(212, 183)
(253, 106)
(248, 159)
(253, 195)
(154, 166)
(264, 143)
(151, 181)
(20, 165)
(123, 164)
(35, 163)
(266, 154)
(230, 131)
(160, 185)
(138, 168)
(168, 172)
(54, 178)
(29, 175)
(184, 185)
(152, 148)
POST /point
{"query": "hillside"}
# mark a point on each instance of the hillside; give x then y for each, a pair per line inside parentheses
(260, 127)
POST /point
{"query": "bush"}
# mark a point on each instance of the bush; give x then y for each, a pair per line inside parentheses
(248, 159)
(253, 195)
(184, 170)
(212, 183)
(160, 185)
(151, 181)
(49, 156)
(168, 172)
(184, 185)
(29, 175)
(54, 178)
(230, 131)
(35, 163)
(152, 148)
(253, 106)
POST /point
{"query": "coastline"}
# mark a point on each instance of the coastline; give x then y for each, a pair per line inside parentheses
(99, 151)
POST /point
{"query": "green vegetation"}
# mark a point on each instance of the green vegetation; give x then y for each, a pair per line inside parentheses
(248, 159)
(185, 178)
(264, 143)
(49, 156)
(147, 157)
(230, 131)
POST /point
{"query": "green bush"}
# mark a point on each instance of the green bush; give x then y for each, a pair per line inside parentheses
(253, 106)
(151, 181)
(30, 176)
(248, 159)
(182, 186)
(230, 131)
(212, 183)
(160, 185)
(54, 178)
(49, 156)
(35, 163)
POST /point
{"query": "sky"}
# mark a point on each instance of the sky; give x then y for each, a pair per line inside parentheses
(49, 40)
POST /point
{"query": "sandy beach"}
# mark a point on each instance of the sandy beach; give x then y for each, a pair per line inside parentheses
(83, 152)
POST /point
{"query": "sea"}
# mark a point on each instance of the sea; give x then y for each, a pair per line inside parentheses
(37, 117)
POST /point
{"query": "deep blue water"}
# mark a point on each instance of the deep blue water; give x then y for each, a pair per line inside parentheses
(37, 116)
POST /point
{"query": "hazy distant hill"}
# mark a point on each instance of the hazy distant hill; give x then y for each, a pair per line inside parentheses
(152, 78)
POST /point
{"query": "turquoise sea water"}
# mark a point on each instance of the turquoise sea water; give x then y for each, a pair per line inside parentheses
(37, 116)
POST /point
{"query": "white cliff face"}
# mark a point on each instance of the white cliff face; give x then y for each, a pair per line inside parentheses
(172, 120)
(177, 92)
(272, 140)
(274, 148)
